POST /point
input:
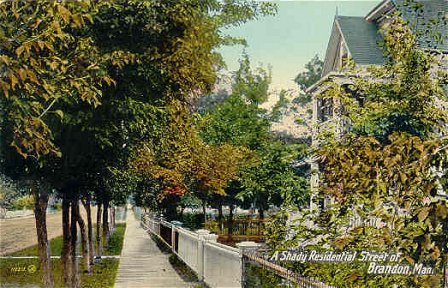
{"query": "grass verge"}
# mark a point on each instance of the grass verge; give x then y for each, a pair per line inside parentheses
(55, 249)
(24, 272)
(115, 244)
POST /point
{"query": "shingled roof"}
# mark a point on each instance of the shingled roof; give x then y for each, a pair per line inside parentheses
(362, 38)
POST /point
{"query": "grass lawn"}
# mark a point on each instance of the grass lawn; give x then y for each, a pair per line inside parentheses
(115, 244)
(23, 273)
(55, 249)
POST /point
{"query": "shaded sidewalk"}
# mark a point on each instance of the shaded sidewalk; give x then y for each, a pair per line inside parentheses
(142, 264)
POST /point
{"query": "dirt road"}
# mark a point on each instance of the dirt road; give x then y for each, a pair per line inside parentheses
(19, 233)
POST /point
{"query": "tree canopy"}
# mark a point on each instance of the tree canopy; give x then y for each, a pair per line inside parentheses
(85, 83)
(387, 170)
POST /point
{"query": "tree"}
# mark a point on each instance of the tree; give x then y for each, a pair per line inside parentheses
(274, 181)
(9, 192)
(312, 73)
(216, 167)
(279, 107)
(47, 61)
(251, 85)
(158, 73)
(270, 179)
(238, 120)
(182, 163)
(57, 64)
(388, 168)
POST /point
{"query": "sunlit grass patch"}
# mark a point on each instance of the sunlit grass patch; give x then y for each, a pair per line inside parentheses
(16, 272)
(55, 248)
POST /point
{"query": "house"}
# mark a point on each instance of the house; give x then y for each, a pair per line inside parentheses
(354, 40)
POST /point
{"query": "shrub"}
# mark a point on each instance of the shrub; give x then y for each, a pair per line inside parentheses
(191, 221)
(24, 202)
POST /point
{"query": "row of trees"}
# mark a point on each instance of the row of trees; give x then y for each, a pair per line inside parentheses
(224, 155)
(86, 83)
(392, 167)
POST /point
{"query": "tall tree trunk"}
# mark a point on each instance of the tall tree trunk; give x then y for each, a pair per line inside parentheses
(74, 238)
(99, 246)
(261, 218)
(86, 205)
(171, 212)
(204, 210)
(261, 213)
(220, 216)
(85, 245)
(66, 246)
(112, 217)
(230, 222)
(105, 221)
(40, 215)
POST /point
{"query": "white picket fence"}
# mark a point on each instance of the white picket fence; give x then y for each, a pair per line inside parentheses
(7, 214)
(215, 264)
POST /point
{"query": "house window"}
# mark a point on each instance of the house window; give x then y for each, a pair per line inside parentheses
(348, 88)
(325, 109)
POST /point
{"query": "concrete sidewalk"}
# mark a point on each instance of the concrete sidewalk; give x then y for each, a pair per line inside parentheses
(142, 264)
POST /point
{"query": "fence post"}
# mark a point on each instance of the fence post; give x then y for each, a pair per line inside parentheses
(174, 229)
(202, 235)
(245, 247)
(173, 238)
(156, 225)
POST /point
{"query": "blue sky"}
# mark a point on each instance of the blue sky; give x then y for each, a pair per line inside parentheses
(287, 41)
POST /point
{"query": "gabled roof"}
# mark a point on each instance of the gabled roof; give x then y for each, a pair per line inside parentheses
(360, 35)
(362, 38)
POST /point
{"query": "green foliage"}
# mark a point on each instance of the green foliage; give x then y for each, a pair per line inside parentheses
(238, 120)
(388, 169)
(302, 99)
(55, 245)
(115, 243)
(9, 192)
(281, 104)
(235, 122)
(249, 85)
(49, 60)
(192, 221)
(312, 73)
(190, 201)
(409, 101)
(270, 179)
(274, 181)
(24, 202)
(276, 231)
(257, 276)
